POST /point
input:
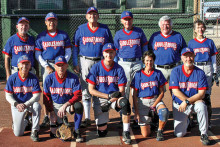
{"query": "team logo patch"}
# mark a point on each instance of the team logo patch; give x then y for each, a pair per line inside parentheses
(109, 46)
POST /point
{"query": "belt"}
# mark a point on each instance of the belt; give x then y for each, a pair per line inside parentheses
(91, 58)
(130, 59)
(51, 61)
(201, 63)
(149, 97)
(167, 66)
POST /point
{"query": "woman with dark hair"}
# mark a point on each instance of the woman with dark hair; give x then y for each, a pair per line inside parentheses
(148, 85)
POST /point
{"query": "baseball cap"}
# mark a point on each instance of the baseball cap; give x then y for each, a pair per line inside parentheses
(108, 46)
(22, 19)
(92, 9)
(126, 14)
(51, 15)
(60, 59)
(23, 58)
(187, 50)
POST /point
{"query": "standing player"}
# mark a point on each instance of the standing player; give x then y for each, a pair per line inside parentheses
(23, 93)
(167, 45)
(148, 86)
(188, 84)
(106, 84)
(62, 92)
(89, 40)
(17, 45)
(50, 44)
(205, 58)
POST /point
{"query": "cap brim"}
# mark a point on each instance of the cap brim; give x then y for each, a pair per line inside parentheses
(126, 17)
(23, 20)
(60, 63)
(187, 52)
(51, 17)
(108, 49)
(22, 61)
(92, 11)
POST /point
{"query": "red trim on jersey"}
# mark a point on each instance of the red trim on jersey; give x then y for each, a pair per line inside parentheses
(174, 87)
(91, 29)
(21, 78)
(148, 75)
(47, 100)
(123, 84)
(8, 91)
(166, 36)
(5, 53)
(149, 97)
(102, 62)
(91, 82)
(59, 79)
(134, 88)
(76, 45)
(126, 32)
(36, 92)
(200, 41)
(77, 96)
(146, 43)
(68, 46)
(187, 75)
(52, 35)
(22, 38)
(203, 88)
(37, 49)
(163, 84)
(215, 53)
(117, 49)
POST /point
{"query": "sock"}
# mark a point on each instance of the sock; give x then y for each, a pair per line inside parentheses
(87, 105)
(77, 120)
(126, 126)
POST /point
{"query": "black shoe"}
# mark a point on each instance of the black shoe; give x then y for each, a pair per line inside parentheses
(160, 136)
(77, 136)
(86, 123)
(35, 136)
(205, 139)
(126, 137)
(46, 122)
(65, 121)
(52, 135)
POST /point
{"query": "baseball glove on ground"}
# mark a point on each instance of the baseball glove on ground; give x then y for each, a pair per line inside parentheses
(64, 132)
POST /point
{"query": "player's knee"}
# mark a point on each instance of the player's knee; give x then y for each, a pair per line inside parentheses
(163, 114)
(125, 106)
(36, 106)
(78, 107)
(180, 134)
(102, 130)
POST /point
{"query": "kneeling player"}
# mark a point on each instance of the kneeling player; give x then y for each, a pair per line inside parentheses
(107, 82)
(62, 91)
(148, 86)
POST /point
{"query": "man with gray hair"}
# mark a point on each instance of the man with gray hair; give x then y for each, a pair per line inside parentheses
(167, 45)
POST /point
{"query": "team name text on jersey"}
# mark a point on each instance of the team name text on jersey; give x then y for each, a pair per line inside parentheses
(130, 42)
(53, 44)
(22, 89)
(61, 91)
(93, 40)
(150, 84)
(106, 79)
(165, 45)
(23, 48)
(188, 85)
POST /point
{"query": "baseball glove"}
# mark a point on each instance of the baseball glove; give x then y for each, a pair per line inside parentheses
(64, 132)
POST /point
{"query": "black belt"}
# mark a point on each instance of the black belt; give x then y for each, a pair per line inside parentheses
(201, 63)
(166, 66)
(130, 59)
(91, 58)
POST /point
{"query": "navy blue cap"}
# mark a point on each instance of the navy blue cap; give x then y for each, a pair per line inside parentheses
(92, 9)
(126, 14)
(187, 50)
(22, 19)
(51, 15)
(108, 46)
(60, 59)
(23, 58)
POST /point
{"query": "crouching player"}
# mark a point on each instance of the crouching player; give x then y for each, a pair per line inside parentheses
(107, 83)
(62, 91)
(148, 86)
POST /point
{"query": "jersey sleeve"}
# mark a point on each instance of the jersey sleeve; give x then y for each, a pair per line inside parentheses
(150, 45)
(122, 80)
(38, 44)
(144, 42)
(110, 38)
(136, 81)
(202, 82)
(214, 50)
(174, 80)
(162, 80)
(76, 38)
(183, 42)
(9, 85)
(77, 92)
(46, 86)
(36, 86)
(67, 42)
(116, 41)
(91, 78)
(8, 48)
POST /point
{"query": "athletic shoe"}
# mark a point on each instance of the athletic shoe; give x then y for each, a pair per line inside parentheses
(46, 122)
(65, 121)
(52, 135)
(205, 139)
(126, 137)
(35, 136)
(77, 136)
(86, 123)
(160, 136)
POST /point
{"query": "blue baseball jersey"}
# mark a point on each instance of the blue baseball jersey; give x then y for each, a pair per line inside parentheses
(22, 89)
(148, 85)
(203, 50)
(52, 46)
(17, 46)
(130, 45)
(188, 84)
(167, 49)
(90, 42)
(107, 80)
(62, 90)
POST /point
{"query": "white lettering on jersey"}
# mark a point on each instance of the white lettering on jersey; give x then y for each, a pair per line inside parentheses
(93, 40)
(107, 79)
(150, 84)
(130, 42)
(22, 89)
(188, 85)
(53, 44)
(202, 50)
(165, 45)
(23, 48)
(61, 91)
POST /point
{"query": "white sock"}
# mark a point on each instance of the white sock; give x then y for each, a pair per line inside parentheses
(126, 126)
(87, 105)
